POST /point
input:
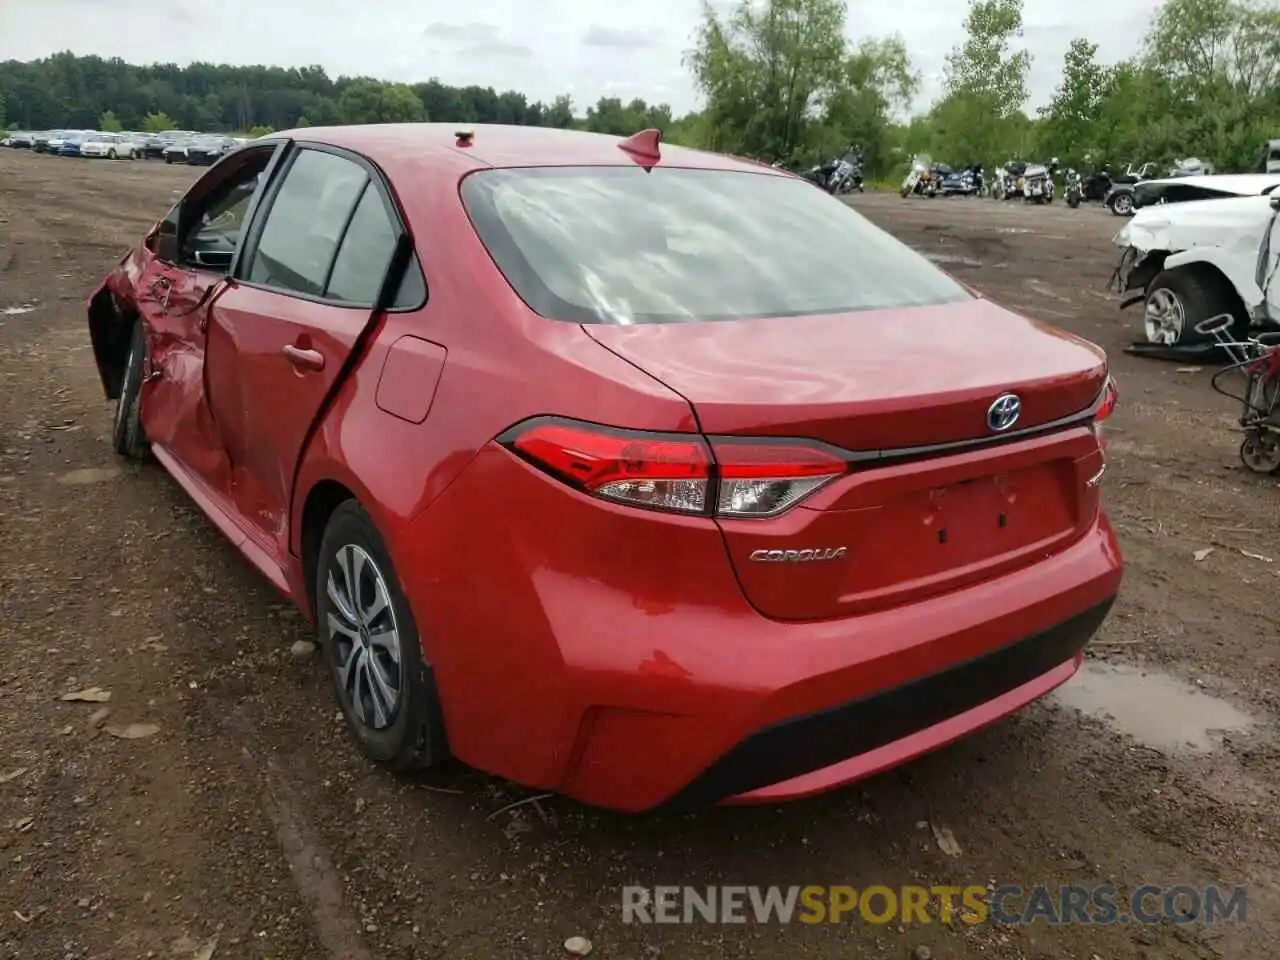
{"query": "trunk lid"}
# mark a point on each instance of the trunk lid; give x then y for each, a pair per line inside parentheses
(888, 381)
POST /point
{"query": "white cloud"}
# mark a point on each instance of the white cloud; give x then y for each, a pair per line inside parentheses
(541, 47)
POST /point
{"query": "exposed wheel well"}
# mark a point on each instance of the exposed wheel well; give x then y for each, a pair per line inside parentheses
(110, 328)
(1214, 279)
(324, 498)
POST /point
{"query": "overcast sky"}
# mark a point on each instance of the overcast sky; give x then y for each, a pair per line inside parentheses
(586, 48)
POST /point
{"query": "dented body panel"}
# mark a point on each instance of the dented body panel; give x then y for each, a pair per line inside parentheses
(1233, 236)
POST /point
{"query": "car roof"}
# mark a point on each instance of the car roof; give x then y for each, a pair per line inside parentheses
(500, 145)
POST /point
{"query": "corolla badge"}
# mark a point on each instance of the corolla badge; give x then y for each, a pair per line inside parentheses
(1003, 413)
(799, 556)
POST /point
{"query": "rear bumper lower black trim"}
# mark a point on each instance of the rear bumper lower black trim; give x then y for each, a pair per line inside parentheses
(803, 744)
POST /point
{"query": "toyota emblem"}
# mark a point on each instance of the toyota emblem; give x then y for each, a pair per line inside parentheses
(1003, 413)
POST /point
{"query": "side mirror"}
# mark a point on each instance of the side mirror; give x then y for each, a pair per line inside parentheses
(1215, 325)
(1275, 202)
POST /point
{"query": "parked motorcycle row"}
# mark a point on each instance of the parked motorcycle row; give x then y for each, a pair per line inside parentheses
(1032, 182)
(1037, 182)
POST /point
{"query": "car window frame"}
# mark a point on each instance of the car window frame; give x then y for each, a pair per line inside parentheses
(378, 181)
(181, 213)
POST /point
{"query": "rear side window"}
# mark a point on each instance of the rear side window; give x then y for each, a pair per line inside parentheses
(618, 245)
(365, 253)
(306, 221)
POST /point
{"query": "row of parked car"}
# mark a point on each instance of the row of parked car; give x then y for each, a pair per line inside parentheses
(171, 146)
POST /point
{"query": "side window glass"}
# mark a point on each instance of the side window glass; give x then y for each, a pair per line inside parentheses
(365, 253)
(212, 227)
(305, 223)
(224, 217)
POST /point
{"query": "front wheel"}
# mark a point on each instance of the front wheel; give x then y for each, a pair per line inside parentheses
(111, 154)
(1179, 299)
(127, 435)
(1120, 204)
(385, 690)
(1073, 200)
(1260, 452)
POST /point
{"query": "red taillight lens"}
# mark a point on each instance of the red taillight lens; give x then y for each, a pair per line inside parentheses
(1106, 407)
(664, 471)
(677, 472)
(1110, 397)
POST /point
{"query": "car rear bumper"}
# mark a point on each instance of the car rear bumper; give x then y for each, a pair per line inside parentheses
(809, 754)
(611, 656)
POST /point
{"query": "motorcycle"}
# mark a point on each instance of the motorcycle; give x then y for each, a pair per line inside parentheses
(1037, 182)
(846, 177)
(921, 179)
(965, 182)
(1074, 188)
(1010, 180)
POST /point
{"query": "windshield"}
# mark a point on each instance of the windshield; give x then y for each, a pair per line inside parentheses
(619, 245)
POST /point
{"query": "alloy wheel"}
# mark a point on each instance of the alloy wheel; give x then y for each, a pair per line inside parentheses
(1123, 204)
(363, 637)
(1164, 317)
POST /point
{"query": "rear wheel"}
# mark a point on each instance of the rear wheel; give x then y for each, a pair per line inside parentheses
(1179, 299)
(386, 691)
(1120, 204)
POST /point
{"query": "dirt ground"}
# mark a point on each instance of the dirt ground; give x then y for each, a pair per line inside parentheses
(247, 826)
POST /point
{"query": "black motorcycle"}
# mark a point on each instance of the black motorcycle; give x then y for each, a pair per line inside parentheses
(838, 176)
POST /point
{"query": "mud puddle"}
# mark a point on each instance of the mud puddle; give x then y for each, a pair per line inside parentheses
(1153, 708)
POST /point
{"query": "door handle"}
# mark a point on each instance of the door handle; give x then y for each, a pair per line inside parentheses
(304, 358)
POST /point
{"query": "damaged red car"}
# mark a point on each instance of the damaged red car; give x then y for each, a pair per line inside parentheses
(641, 474)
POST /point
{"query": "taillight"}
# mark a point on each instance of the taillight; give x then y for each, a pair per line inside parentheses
(1106, 407)
(760, 478)
(677, 472)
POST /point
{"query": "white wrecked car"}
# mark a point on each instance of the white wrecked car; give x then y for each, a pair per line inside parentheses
(1188, 262)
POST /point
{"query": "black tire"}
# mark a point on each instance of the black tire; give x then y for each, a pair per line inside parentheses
(127, 435)
(1197, 294)
(111, 154)
(413, 736)
(1120, 204)
(1073, 200)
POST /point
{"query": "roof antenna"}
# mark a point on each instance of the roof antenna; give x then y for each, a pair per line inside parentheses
(642, 147)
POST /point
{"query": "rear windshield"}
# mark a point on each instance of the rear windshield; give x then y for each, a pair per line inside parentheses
(618, 245)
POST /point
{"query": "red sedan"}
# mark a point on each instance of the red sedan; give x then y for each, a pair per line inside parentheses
(637, 473)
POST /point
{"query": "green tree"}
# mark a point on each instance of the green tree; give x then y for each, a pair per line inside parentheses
(984, 67)
(108, 123)
(878, 83)
(1221, 62)
(980, 117)
(560, 113)
(260, 131)
(156, 122)
(765, 68)
(371, 101)
(1068, 120)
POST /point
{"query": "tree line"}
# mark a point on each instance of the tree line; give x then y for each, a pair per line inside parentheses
(69, 91)
(779, 80)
